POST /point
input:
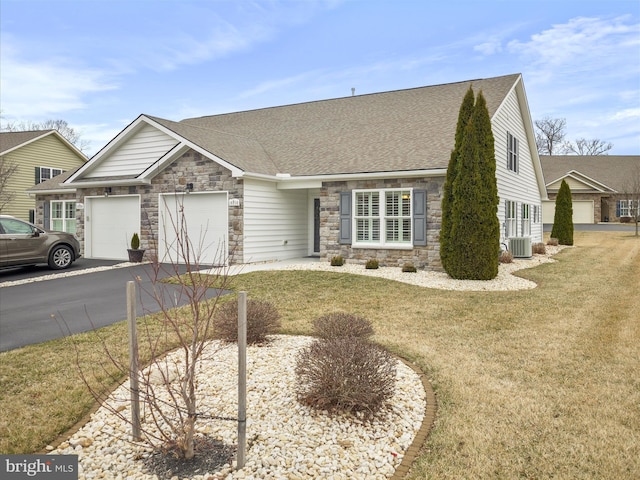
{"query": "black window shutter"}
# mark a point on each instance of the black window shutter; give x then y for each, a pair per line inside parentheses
(517, 159)
(37, 180)
(618, 208)
(46, 222)
(345, 218)
(419, 218)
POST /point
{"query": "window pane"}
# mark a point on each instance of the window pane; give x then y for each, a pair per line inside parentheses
(56, 209)
(57, 225)
(70, 209)
(70, 226)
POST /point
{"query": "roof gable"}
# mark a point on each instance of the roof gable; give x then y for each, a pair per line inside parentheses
(12, 141)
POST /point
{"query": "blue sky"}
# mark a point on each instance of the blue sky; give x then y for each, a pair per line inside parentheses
(99, 64)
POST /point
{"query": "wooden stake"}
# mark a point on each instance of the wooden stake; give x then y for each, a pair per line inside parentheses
(133, 361)
(242, 379)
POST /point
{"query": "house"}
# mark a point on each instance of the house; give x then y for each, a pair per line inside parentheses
(359, 176)
(604, 188)
(34, 157)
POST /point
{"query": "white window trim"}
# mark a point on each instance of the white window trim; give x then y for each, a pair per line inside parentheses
(513, 162)
(525, 210)
(64, 217)
(511, 223)
(50, 170)
(382, 243)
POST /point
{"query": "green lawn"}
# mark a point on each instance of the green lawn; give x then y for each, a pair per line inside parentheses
(531, 384)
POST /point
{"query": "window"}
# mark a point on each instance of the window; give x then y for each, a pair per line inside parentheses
(512, 153)
(45, 173)
(627, 208)
(536, 213)
(63, 216)
(510, 224)
(526, 220)
(383, 217)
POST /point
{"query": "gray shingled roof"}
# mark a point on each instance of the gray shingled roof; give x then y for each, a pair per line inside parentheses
(11, 140)
(400, 130)
(615, 171)
(54, 183)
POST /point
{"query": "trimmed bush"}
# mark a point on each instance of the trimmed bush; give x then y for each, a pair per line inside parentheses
(473, 242)
(135, 242)
(552, 242)
(625, 219)
(262, 319)
(506, 256)
(339, 324)
(345, 374)
(538, 248)
(409, 268)
(337, 261)
(563, 217)
(372, 264)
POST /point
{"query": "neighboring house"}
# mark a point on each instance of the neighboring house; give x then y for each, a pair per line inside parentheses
(359, 176)
(603, 187)
(38, 155)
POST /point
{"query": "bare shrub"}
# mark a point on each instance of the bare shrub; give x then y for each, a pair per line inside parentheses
(340, 324)
(552, 242)
(506, 257)
(262, 319)
(345, 374)
(337, 261)
(372, 264)
(538, 248)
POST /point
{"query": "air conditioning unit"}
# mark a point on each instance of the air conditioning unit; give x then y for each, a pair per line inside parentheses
(520, 247)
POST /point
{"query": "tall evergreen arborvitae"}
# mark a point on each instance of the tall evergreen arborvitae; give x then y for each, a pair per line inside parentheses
(466, 110)
(474, 238)
(563, 217)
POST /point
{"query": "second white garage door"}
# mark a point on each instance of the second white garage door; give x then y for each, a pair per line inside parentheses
(205, 223)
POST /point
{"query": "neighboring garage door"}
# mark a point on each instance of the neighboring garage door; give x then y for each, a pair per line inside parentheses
(206, 219)
(582, 211)
(109, 224)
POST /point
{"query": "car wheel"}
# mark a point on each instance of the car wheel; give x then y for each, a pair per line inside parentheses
(60, 257)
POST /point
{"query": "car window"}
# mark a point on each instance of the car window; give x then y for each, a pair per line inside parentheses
(13, 226)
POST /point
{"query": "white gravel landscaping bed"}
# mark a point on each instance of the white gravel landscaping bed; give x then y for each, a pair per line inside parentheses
(287, 440)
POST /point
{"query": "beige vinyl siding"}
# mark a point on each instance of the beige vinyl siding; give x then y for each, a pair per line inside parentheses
(145, 147)
(575, 185)
(275, 222)
(520, 187)
(44, 152)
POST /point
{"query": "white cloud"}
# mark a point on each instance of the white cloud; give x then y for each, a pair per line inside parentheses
(37, 89)
(581, 45)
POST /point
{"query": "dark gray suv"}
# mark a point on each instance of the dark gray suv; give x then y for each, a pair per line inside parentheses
(22, 243)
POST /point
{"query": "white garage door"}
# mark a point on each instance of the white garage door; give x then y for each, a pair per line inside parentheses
(205, 223)
(582, 211)
(109, 224)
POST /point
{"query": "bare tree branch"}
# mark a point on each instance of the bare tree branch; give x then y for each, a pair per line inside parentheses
(550, 133)
(583, 146)
(7, 170)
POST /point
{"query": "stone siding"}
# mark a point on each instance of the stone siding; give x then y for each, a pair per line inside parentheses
(427, 257)
(192, 167)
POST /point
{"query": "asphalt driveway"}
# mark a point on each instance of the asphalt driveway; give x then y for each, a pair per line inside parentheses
(42, 310)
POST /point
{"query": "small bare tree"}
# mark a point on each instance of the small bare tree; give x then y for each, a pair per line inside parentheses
(632, 196)
(7, 170)
(168, 385)
(550, 133)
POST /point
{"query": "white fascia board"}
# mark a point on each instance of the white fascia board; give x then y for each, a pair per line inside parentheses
(50, 192)
(113, 183)
(590, 181)
(315, 181)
